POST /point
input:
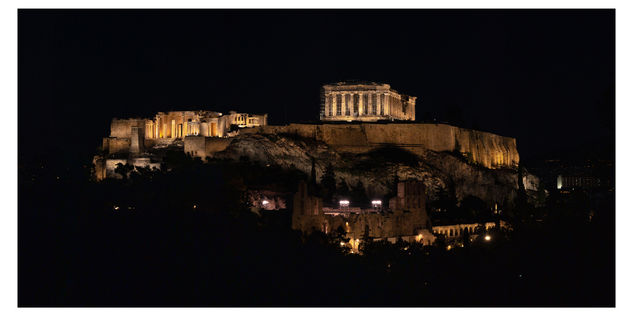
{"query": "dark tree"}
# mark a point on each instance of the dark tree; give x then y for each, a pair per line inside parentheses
(359, 196)
(123, 170)
(475, 209)
(328, 184)
(342, 189)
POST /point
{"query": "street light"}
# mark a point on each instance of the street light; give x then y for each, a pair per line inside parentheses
(487, 238)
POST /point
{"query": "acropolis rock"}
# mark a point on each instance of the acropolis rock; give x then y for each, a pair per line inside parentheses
(358, 119)
(487, 149)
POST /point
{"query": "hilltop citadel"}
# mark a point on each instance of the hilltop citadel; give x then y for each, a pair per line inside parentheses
(368, 116)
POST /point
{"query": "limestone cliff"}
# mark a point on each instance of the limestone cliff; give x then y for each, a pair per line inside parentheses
(487, 149)
(439, 170)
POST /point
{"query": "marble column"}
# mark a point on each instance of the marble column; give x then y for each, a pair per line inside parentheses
(333, 96)
(328, 105)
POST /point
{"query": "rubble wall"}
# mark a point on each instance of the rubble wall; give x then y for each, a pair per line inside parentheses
(121, 127)
(116, 145)
(201, 146)
(194, 145)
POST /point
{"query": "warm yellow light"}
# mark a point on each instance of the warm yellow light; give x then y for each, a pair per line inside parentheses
(342, 243)
(116, 208)
(487, 238)
(448, 247)
(195, 206)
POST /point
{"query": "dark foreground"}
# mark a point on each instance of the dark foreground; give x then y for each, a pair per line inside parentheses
(156, 249)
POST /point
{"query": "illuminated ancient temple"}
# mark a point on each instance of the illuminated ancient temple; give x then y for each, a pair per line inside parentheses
(178, 124)
(135, 141)
(365, 101)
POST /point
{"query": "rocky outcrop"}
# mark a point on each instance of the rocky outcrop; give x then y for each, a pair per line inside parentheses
(377, 168)
(486, 149)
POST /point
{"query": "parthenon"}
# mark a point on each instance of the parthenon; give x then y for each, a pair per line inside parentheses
(365, 101)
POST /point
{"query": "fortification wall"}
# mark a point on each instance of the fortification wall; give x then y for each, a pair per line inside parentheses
(200, 146)
(487, 149)
(121, 128)
(194, 145)
(215, 144)
(116, 145)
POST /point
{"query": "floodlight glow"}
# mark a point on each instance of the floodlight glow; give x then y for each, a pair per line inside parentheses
(487, 238)
(376, 202)
(265, 202)
(343, 203)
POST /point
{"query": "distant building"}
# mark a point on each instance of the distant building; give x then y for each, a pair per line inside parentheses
(459, 230)
(568, 182)
(584, 174)
(365, 101)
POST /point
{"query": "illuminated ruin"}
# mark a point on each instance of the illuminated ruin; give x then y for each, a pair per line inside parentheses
(406, 217)
(366, 102)
(133, 141)
(203, 134)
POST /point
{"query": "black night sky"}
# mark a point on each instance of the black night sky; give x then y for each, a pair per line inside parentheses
(545, 77)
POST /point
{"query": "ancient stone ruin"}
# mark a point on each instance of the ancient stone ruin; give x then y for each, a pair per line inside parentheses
(366, 102)
(406, 217)
(134, 141)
